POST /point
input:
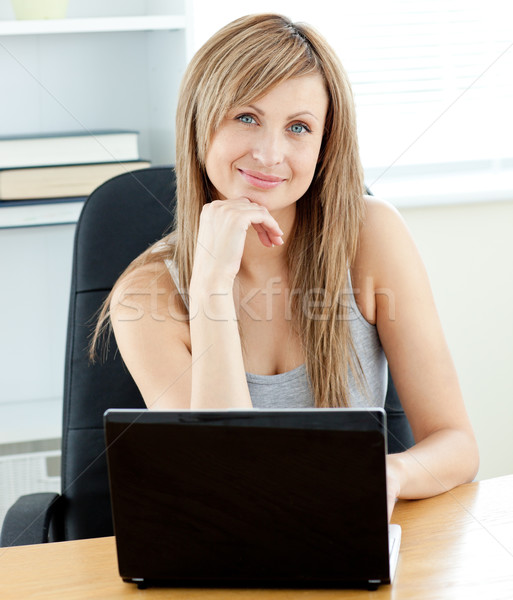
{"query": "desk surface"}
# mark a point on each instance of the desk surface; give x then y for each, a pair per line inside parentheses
(455, 546)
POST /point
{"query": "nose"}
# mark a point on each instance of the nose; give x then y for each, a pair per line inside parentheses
(269, 148)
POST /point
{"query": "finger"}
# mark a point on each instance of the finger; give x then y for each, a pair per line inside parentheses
(263, 234)
(267, 237)
(272, 221)
(268, 230)
(264, 238)
(271, 226)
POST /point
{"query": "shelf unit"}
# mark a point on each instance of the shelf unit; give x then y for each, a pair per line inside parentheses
(93, 24)
(41, 214)
(92, 71)
(105, 72)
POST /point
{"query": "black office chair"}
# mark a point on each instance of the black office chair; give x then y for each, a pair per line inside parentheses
(119, 220)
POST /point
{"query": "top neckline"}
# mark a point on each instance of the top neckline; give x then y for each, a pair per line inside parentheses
(255, 378)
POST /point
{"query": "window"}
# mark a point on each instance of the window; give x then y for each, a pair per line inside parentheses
(432, 79)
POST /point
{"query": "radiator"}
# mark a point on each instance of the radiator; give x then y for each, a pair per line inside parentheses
(26, 473)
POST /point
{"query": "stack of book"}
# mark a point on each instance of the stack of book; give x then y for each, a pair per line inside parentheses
(63, 167)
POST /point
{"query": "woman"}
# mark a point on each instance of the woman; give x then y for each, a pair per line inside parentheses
(250, 301)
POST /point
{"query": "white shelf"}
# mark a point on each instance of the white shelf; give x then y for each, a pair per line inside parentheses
(91, 25)
(32, 215)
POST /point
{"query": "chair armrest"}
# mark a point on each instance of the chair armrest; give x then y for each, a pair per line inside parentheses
(28, 520)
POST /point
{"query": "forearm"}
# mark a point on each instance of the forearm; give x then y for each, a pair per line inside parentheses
(438, 463)
(218, 373)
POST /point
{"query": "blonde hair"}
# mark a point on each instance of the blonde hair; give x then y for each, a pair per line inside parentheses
(236, 66)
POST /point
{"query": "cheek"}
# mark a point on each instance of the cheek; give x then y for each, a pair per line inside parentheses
(212, 168)
(222, 153)
(215, 160)
(212, 157)
(306, 162)
(225, 148)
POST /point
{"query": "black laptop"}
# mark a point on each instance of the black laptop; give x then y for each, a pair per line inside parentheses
(251, 498)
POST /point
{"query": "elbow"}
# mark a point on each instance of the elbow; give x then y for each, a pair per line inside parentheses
(473, 459)
(469, 458)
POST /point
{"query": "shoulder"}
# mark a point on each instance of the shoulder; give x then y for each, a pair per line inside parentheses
(151, 328)
(377, 208)
(382, 223)
(385, 242)
(145, 296)
(143, 280)
(145, 275)
(386, 257)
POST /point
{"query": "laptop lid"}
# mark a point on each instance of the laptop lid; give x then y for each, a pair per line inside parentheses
(274, 498)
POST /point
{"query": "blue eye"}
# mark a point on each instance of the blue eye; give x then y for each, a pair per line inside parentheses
(247, 119)
(299, 128)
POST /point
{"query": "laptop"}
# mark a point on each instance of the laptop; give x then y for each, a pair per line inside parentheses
(251, 498)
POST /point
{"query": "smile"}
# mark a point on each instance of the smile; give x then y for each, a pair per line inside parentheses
(259, 180)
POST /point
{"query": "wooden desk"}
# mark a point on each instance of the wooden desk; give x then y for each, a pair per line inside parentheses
(458, 546)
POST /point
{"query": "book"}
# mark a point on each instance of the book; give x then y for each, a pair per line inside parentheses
(60, 181)
(68, 148)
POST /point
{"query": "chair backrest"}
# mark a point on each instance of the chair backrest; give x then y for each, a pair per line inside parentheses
(118, 221)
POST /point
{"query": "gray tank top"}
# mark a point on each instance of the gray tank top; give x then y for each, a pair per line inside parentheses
(292, 389)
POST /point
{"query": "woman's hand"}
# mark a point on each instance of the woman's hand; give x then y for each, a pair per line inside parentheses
(222, 235)
(393, 482)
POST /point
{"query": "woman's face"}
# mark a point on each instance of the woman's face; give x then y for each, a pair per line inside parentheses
(267, 150)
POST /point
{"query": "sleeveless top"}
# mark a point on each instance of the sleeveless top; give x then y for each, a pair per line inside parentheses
(292, 388)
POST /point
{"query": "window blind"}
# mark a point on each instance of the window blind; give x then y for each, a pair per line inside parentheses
(433, 80)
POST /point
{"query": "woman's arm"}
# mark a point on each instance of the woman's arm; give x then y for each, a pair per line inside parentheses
(445, 453)
(150, 325)
(218, 373)
(199, 364)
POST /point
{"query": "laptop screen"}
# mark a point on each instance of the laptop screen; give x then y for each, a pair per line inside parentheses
(249, 497)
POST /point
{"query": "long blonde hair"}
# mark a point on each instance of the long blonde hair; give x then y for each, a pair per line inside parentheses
(236, 66)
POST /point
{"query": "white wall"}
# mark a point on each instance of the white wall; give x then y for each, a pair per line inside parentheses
(468, 251)
(35, 283)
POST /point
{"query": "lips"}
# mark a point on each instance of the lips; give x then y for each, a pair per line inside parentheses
(261, 180)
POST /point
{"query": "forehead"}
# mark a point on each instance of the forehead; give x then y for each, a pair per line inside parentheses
(307, 92)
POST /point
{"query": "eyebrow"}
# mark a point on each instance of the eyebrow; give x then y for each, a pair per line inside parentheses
(302, 112)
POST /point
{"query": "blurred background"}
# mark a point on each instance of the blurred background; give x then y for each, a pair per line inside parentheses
(433, 86)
